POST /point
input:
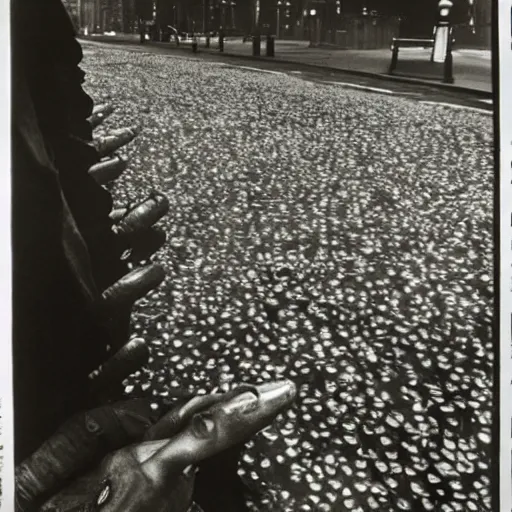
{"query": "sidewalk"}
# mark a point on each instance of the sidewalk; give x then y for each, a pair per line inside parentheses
(471, 68)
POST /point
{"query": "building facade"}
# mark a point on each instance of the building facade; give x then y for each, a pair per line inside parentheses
(286, 18)
(471, 18)
(205, 15)
(73, 8)
(98, 16)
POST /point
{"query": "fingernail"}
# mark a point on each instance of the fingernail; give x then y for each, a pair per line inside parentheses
(190, 471)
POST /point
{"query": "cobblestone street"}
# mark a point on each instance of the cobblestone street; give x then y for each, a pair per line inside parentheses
(337, 237)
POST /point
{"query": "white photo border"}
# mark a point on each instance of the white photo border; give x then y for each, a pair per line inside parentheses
(505, 284)
(6, 407)
(504, 28)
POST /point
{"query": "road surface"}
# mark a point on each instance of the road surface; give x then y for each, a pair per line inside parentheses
(329, 232)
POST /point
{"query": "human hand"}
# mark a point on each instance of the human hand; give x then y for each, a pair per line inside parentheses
(158, 474)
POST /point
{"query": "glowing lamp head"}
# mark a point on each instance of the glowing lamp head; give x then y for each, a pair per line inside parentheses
(444, 7)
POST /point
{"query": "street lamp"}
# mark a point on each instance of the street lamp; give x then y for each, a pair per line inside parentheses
(278, 11)
(472, 16)
(444, 8)
(442, 50)
(314, 28)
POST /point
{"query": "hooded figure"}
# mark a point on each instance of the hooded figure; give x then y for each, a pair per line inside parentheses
(65, 254)
(58, 338)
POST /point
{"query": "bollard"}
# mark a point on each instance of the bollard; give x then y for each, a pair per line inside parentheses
(207, 44)
(221, 41)
(394, 57)
(256, 45)
(448, 62)
(194, 45)
(270, 46)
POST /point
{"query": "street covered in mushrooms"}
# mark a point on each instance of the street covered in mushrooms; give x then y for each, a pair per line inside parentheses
(339, 238)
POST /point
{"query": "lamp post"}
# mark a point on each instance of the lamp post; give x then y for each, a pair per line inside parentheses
(278, 23)
(223, 13)
(142, 30)
(472, 16)
(315, 27)
(232, 5)
(444, 7)
(442, 50)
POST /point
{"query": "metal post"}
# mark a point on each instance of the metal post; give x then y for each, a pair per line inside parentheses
(270, 46)
(256, 45)
(278, 24)
(394, 57)
(142, 31)
(434, 45)
(221, 40)
(205, 15)
(448, 62)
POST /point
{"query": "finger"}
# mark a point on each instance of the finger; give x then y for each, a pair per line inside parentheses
(129, 359)
(147, 449)
(105, 146)
(99, 114)
(172, 422)
(108, 170)
(117, 214)
(79, 444)
(146, 244)
(120, 484)
(142, 216)
(132, 287)
(222, 426)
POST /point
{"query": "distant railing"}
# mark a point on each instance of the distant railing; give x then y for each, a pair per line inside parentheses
(398, 43)
(411, 43)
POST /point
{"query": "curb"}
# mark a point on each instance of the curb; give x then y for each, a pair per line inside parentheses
(368, 74)
(380, 76)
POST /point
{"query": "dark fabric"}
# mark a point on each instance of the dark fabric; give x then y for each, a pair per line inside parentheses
(78, 446)
(91, 205)
(50, 56)
(64, 251)
(57, 337)
(64, 254)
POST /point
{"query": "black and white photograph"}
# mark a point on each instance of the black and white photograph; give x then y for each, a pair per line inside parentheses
(256, 256)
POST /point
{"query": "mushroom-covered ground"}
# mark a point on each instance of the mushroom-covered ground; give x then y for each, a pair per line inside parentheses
(339, 238)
